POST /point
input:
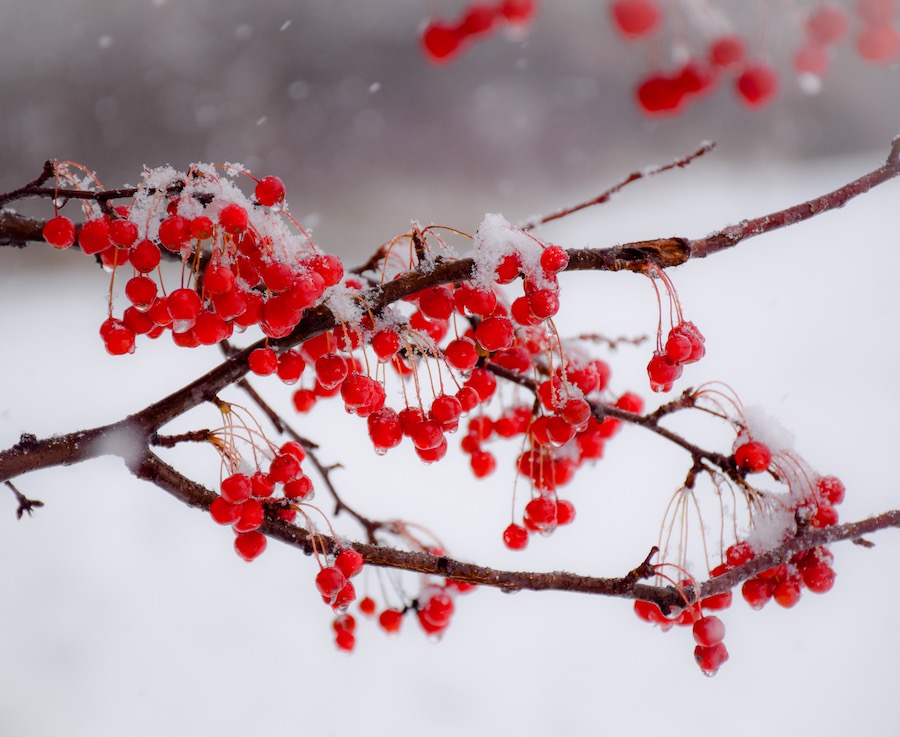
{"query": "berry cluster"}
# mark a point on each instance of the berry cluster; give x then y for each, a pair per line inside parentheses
(241, 266)
(244, 499)
(443, 40)
(710, 652)
(684, 343)
(703, 60)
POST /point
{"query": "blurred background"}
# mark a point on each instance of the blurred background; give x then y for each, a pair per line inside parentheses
(122, 612)
(334, 95)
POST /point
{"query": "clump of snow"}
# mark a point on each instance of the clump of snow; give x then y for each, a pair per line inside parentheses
(497, 238)
(771, 528)
(767, 430)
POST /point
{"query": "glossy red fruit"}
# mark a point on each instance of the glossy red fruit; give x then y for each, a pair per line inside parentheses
(757, 592)
(827, 24)
(329, 582)
(878, 44)
(710, 659)
(441, 41)
(660, 94)
(349, 562)
(269, 191)
(709, 631)
(831, 489)
(663, 372)
(390, 620)
(757, 85)
(59, 232)
(727, 52)
(752, 457)
(635, 18)
(250, 545)
(234, 219)
(94, 236)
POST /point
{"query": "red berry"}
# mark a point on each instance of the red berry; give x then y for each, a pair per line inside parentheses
(440, 41)
(145, 256)
(518, 11)
(252, 516)
(390, 620)
(201, 228)
(659, 94)
(94, 236)
(478, 20)
(757, 592)
(385, 429)
(283, 468)
(445, 410)
(757, 85)
(367, 606)
(727, 51)
(752, 457)
(349, 562)
(630, 402)
(495, 333)
(827, 25)
(234, 219)
(565, 512)
(787, 593)
(141, 291)
(710, 659)
(635, 18)
(483, 464)
(831, 489)
(299, 487)
(709, 631)
(174, 232)
(819, 578)
(263, 361)
(118, 338)
(250, 545)
(427, 435)
(236, 488)
(329, 582)
(224, 512)
(123, 233)
(218, 279)
(290, 366)
(436, 303)
(663, 372)
(878, 44)
(554, 259)
(59, 232)
(269, 191)
(262, 485)
(540, 514)
(385, 343)
(461, 354)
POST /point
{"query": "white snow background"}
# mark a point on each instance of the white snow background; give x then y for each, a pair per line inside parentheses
(123, 612)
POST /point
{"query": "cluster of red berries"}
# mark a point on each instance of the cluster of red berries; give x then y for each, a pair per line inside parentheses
(708, 630)
(244, 499)
(241, 265)
(443, 40)
(684, 344)
(754, 80)
(560, 440)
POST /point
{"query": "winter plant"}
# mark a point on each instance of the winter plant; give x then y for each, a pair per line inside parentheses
(440, 336)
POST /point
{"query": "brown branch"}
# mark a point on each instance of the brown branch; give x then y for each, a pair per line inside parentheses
(734, 234)
(152, 469)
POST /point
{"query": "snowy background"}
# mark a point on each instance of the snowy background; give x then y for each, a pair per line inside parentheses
(122, 612)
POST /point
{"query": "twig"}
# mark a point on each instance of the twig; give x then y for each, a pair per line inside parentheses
(609, 193)
(25, 504)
